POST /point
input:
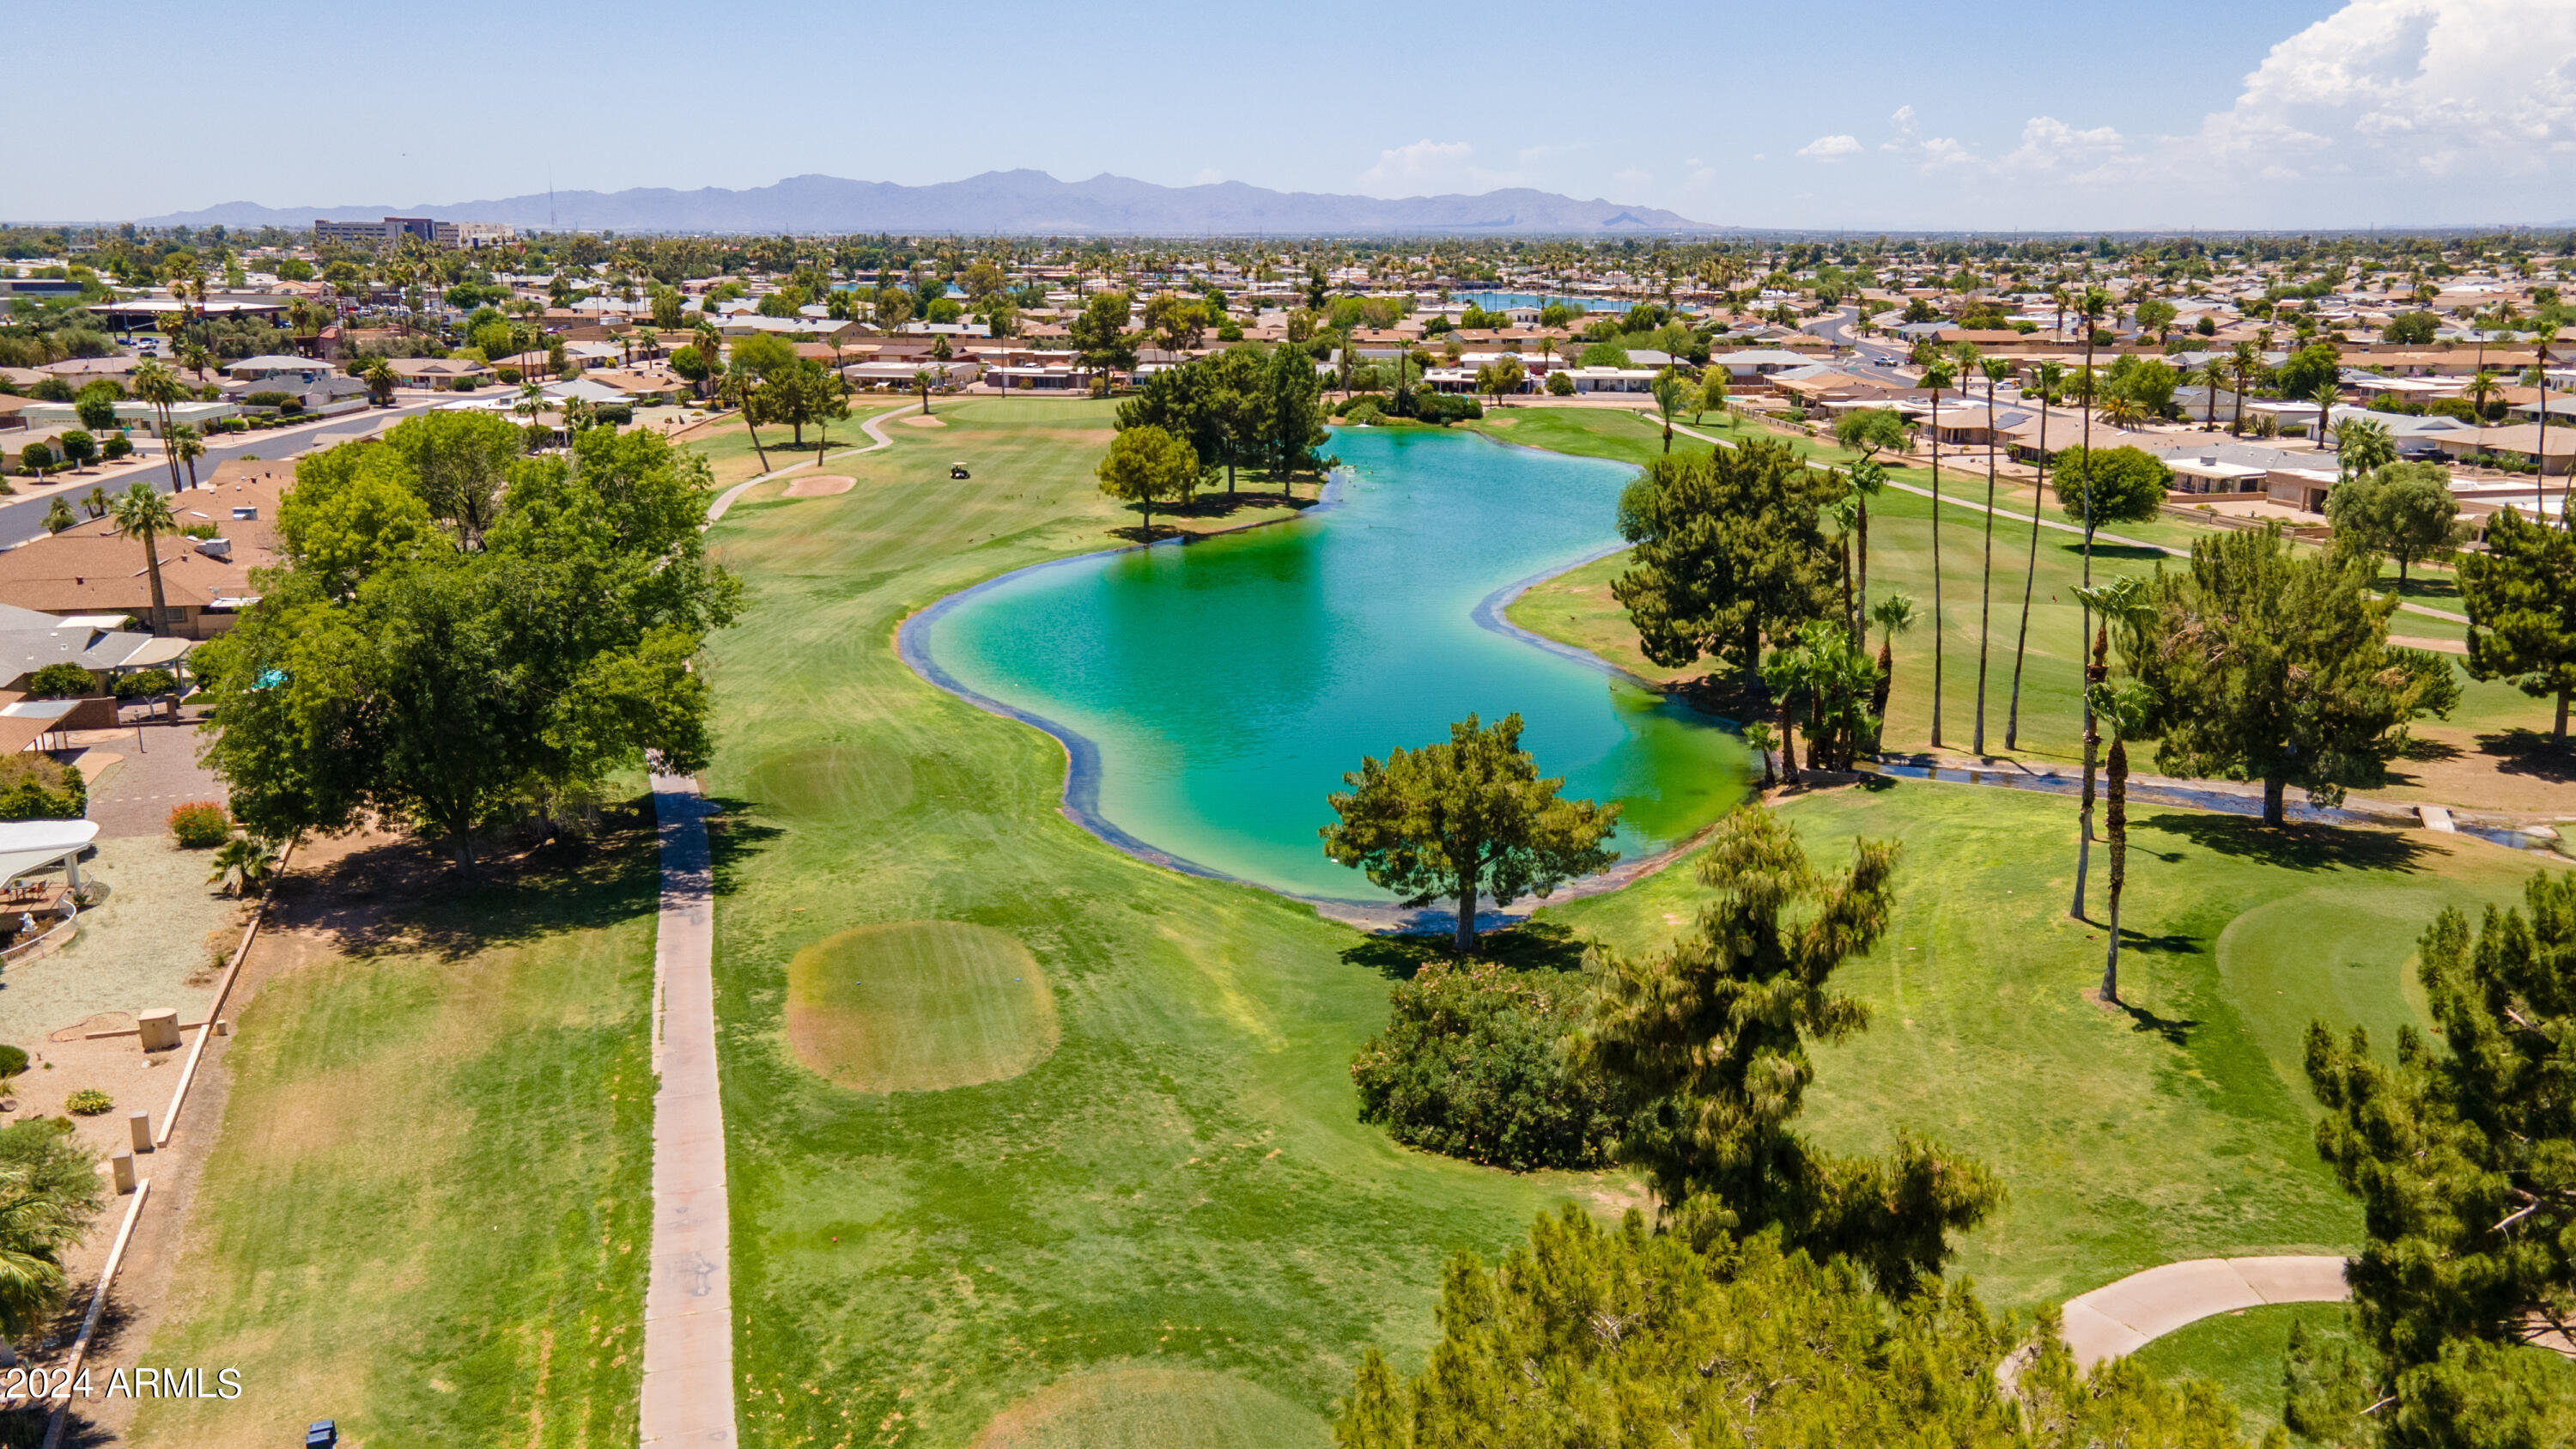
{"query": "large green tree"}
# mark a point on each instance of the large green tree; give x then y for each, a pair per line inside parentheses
(1101, 341)
(459, 462)
(2403, 511)
(1465, 818)
(1730, 549)
(1291, 414)
(404, 677)
(1709, 1038)
(1146, 464)
(2276, 667)
(2521, 599)
(2465, 1164)
(1588, 1336)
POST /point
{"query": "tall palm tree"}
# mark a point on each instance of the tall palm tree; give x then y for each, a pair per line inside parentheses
(2213, 376)
(2050, 376)
(1893, 615)
(2540, 368)
(2091, 306)
(1668, 401)
(2122, 601)
(187, 447)
(1936, 377)
(140, 512)
(1996, 370)
(159, 386)
(2242, 359)
(2128, 706)
(1867, 431)
(1843, 514)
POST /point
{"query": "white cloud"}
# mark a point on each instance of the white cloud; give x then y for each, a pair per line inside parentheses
(2406, 87)
(1941, 153)
(1428, 166)
(1830, 148)
(2049, 145)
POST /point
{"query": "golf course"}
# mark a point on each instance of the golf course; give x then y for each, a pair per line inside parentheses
(1033, 1142)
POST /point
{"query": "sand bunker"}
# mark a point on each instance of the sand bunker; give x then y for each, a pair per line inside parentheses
(921, 420)
(819, 485)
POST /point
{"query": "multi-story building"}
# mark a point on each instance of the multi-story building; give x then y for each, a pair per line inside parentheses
(434, 232)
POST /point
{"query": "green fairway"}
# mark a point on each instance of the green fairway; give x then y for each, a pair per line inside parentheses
(918, 1006)
(1155, 1408)
(2242, 1353)
(1576, 607)
(2176, 1128)
(429, 1208)
(1181, 1190)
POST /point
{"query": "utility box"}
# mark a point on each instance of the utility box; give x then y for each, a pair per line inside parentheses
(159, 1028)
(321, 1434)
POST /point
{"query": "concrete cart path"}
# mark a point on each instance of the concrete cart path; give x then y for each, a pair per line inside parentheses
(2121, 1318)
(1919, 491)
(688, 1298)
(867, 425)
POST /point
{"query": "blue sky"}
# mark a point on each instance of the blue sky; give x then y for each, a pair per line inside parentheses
(2188, 113)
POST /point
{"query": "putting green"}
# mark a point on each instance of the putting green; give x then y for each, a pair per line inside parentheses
(1153, 1408)
(917, 1006)
(834, 782)
(2341, 953)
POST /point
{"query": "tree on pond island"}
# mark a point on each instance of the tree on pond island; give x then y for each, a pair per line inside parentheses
(1730, 548)
(1467, 817)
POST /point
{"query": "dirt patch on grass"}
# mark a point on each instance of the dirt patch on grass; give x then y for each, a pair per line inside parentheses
(918, 1006)
(2516, 772)
(819, 485)
(1154, 1408)
(925, 420)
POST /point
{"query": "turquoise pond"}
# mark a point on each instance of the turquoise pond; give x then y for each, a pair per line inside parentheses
(1212, 694)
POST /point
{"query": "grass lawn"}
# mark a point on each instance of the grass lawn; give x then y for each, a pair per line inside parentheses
(427, 1213)
(2243, 1353)
(1148, 1202)
(2177, 1128)
(1576, 608)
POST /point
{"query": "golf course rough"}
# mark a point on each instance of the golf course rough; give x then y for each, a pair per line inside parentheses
(918, 1006)
(1154, 1408)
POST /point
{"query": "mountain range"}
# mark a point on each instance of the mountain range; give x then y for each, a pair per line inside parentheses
(1017, 203)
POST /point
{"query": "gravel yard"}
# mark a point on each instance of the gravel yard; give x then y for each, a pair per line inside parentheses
(147, 945)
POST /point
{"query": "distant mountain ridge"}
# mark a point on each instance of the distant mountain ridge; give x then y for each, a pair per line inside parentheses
(1019, 203)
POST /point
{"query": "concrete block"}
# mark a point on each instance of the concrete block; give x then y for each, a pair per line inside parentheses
(138, 1126)
(159, 1028)
(122, 1167)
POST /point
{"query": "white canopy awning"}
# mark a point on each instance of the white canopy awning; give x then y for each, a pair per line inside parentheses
(27, 846)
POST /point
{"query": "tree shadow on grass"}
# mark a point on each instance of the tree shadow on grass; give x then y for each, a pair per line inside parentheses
(1528, 946)
(736, 836)
(2112, 552)
(2298, 847)
(2175, 1031)
(2529, 753)
(405, 895)
(2423, 751)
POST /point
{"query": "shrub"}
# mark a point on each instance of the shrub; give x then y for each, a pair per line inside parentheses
(117, 446)
(13, 1062)
(36, 458)
(59, 681)
(1473, 1064)
(201, 825)
(269, 399)
(89, 1102)
(1559, 385)
(40, 787)
(144, 683)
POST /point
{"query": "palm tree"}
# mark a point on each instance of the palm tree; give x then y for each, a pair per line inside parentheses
(2242, 359)
(45, 1206)
(2481, 391)
(1843, 514)
(140, 512)
(2091, 306)
(159, 386)
(710, 349)
(1996, 370)
(739, 390)
(1668, 401)
(2540, 369)
(241, 866)
(1893, 615)
(194, 356)
(2129, 708)
(2362, 446)
(187, 447)
(921, 384)
(2049, 376)
(1760, 738)
(1866, 431)
(2123, 412)
(2213, 376)
(2123, 600)
(1936, 377)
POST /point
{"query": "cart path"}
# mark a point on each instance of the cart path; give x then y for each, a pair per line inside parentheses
(2120, 1318)
(867, 425)
(688, 1298)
